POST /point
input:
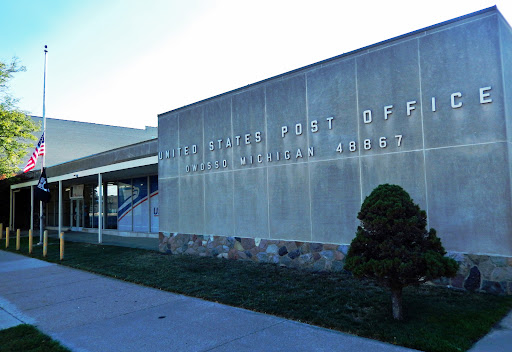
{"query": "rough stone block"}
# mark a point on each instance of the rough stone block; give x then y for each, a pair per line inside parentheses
(457, 256)
(329, 255)
(338, 256)
(283, 251)
(458, 281)
(304, 248)
(499, 261)
(262, 257)
(344, 248)
(294, 254)
(319, 265)
(238, 246)
(190, 251)
(337, 266)
(272, 249)
(472, 283)
(285, 260)
(305, 258)
(233, 254)
(316, 247)
(291, 246)
(494, 287)
(501, 274)
(247, 243)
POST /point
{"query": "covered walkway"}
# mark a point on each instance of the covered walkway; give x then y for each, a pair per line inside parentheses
(110, 198)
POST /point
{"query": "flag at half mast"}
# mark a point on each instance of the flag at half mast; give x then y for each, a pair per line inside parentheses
(33, 159)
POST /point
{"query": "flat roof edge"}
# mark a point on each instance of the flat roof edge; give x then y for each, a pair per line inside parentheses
(93, 123)
(103, 152)
(387, 41)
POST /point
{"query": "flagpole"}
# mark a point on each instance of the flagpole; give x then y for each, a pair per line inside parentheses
(41, 226)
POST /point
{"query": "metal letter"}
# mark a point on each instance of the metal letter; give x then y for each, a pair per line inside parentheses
(387, 111)
(314, 126)
(410, 107)
(284, 130)
(459, 104)
(329, 119)
(484, 97)
(367, 116)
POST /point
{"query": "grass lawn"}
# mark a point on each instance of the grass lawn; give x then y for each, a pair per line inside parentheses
(435, 319)
(26, 338)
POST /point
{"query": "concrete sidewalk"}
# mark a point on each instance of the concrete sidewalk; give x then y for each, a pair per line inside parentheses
(499, 339)
(88, 312)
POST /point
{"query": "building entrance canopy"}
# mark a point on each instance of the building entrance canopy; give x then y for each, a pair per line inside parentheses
(88, 189)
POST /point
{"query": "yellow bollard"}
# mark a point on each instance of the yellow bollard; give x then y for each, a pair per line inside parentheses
(1, 231)
(30, 241)
(45, 243)
(61, 245)
(6, 237)
(18, 239)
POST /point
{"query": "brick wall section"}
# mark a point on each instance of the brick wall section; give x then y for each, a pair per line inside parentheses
(479, 273)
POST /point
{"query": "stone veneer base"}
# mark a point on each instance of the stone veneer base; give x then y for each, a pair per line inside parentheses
(480, 273)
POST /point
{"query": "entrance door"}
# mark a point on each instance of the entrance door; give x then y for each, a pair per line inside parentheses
(76, 212)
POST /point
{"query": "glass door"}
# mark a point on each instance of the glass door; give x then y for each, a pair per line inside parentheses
(76, 214)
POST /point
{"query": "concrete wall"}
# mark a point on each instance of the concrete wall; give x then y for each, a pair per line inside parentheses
(126, 153)
(70, 140)
(293, 157)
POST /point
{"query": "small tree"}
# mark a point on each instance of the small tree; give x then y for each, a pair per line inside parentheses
(393, 247)
(15, 126)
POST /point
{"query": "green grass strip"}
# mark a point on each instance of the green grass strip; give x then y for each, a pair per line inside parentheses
(26, 338)
(436, 318)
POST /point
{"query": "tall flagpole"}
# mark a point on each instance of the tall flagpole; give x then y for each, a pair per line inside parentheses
(44, 134)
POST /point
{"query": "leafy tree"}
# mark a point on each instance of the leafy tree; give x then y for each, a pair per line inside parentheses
(393, 247)
(15, 126)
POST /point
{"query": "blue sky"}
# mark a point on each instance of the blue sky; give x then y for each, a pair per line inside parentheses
(122, 62)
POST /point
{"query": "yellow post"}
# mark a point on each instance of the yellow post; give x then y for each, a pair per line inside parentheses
(18, 239)
(61, 245)
(45, 243)
(1, 230)
(30, 241)
(6, 237)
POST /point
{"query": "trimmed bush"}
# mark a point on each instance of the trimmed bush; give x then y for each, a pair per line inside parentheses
(393, 247)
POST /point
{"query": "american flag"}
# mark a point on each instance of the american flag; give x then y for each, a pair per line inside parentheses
(33, 159)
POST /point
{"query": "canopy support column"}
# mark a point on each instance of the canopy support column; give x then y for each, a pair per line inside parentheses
(100, 208)
(60, 207)
(32, 208)
(10, 209)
